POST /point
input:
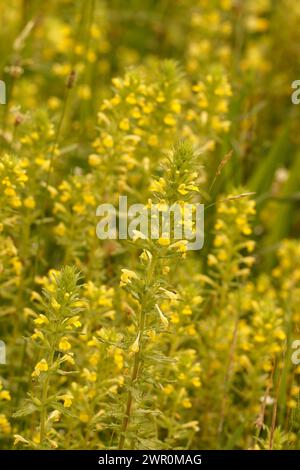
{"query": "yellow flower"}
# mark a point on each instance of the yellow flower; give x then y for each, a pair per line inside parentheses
(29, 202)
(212, 260)
(175, 107)
(74, 321)
(68, 358)
(196, 382)
(41, 366)
(41, 320)
(135, 113)
(168, 389)
(153, 140)
(36, 438)
(67, 399)
(158, 185)
(170, 120)
(280, 334)
(191, 330)
(127, 276)
(148, 108)
(94, 159)
(186, 403)
(180, 246)
(64, 344)
(5, 395)
(10, 192)
(182, 189)
(94, 359)
(124, 124)
(259, 338)
(37, 335)
(84, 417)
(79, 208)
(53, 102)
(60, 229)
(17, 265)
(89, 199)
(164, 241)
(16, 202)
(131, 99)
(89, 376)
(292, 403)
(175, 318)
(250, 245)
(118, 358)
(108, 141)
(187, 310)
(256, 24)
(219, 241)
(295, 390)
(5, 427)
(160, 98)
(55, 305)
(222, 255)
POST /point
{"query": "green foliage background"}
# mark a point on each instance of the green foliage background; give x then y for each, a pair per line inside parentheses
(144, 345)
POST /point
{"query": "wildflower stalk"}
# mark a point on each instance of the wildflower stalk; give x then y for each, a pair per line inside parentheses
(147, 288)
(137, 357)
(54, 330)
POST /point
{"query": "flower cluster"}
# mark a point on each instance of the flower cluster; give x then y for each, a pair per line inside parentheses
(54, 328)
(143, 342)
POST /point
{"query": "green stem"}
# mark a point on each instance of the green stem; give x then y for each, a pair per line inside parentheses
(43, 410)
(137, 358)
(44, 395)
(134, 376)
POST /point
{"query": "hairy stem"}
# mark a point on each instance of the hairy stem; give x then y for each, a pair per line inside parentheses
(137, 357)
